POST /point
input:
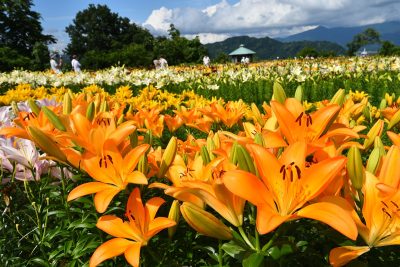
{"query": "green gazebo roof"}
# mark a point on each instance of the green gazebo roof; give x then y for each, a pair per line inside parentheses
(242, 51)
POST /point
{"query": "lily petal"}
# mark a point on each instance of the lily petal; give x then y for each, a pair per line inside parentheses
(247, 186)
(268, 219)
(109, 249)
(152, 206)
(390, 171)
(87, 189)
(333, 215)
(103, 198)
(114, 226)
(319, 176)
(132, 158)
(132, 254)
(342, 255)
(159, 224)
(136, 177)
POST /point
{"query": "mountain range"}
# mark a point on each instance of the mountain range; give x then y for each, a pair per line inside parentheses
(268, 48)
(320, 38)
(389, 31)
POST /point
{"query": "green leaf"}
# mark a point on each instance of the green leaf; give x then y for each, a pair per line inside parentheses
(254, 260)
(274, 252)
(232, 249)
(286, 249)
(40, 262)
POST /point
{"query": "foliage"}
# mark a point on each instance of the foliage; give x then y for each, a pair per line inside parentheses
(22, 43)
(97, 28)
(369, 36)
(177, 49)
(10, 59)
(388, 49)
(102, 39)
(20, 26)
(308, 52)
(99, 35)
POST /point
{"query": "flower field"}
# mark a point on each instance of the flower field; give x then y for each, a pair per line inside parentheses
(281, 163)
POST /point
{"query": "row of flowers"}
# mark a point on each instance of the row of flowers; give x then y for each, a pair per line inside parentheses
(209, 78)
(150, 105)
(285, 161)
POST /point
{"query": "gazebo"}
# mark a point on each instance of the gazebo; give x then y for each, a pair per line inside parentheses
(242, 52)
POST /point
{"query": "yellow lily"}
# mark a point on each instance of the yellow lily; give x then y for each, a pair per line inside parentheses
(112, 173)
(287, 186)
(130, 235)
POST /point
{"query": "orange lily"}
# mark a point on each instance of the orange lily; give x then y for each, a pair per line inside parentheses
(173, 122)
(130, 235)
(199, 184)
(213, 192)
(112, 173)
(395, 138)
(230, 115)
(313, 128)
(382, 223)
(389, 174)
(286, 186)
(92, 135)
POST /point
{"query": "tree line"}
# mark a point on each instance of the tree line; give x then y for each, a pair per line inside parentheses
(98, 36)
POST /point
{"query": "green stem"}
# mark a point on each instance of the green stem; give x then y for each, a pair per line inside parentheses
(271, 241)
(256, 234)
(245, 238)
(220, 261)
(64, 191)
(257, 239)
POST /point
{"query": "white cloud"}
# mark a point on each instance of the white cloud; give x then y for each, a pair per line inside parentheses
(206, 38)
(269, 17)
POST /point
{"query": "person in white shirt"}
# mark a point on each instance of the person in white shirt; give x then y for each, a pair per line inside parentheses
(55, 67)
(163, 63)
(156, 63)
(76, 66)
(206, 61)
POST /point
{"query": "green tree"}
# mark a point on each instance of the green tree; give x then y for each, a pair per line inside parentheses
(308, 52)
(20, 27)
(41, 56)
(222, 58)
(178, 49)
(369, 36)
(96, 31)
(387, 48)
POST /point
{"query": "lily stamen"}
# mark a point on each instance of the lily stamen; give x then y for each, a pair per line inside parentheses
(299, 118)
(29, 116)
(104, 160)
(289, 169)
(106, 121)
(387, 213)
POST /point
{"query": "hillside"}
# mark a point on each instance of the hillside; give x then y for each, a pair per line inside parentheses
(267, 48)
(389, 31)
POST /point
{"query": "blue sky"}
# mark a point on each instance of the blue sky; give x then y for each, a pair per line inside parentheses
(216, 20)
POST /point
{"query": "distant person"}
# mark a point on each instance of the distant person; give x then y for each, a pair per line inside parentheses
(206, 61)
(156, 63)
(76, 66)
(163, 63)
(55, 67)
